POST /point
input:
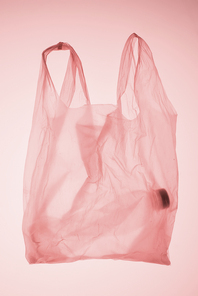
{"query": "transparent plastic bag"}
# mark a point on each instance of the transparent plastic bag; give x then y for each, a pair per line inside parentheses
(100, 180)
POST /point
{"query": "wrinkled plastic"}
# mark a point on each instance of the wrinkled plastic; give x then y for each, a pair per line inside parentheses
(101, 181)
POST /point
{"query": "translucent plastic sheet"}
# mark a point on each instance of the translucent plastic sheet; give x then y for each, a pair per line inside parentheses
(101, 181)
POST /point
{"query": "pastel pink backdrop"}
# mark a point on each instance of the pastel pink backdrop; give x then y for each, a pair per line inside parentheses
(97, 30)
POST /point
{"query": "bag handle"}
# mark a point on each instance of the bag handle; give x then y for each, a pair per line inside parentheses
(147, 88)
(69, 82)
(127, 58)
(139, 58)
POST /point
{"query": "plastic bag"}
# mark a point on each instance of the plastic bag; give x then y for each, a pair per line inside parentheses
(101, 181)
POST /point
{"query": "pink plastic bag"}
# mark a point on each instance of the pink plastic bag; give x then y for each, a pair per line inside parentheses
(101, 181)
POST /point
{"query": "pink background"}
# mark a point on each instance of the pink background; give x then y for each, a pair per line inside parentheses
(97, 30)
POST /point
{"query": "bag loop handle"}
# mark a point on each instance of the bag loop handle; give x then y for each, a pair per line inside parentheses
(74, 62)
(143, 64)
(127, 57)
